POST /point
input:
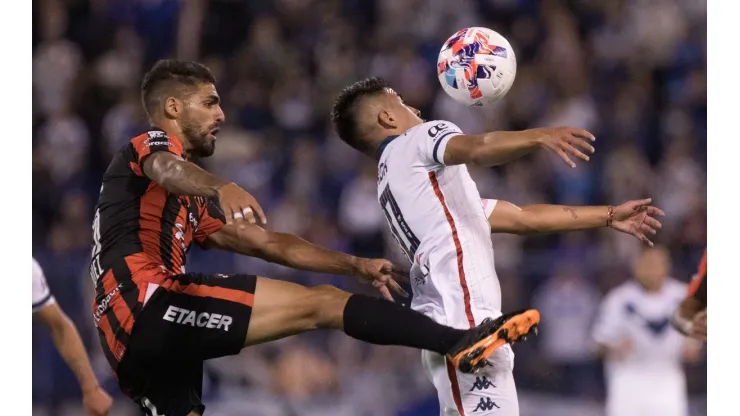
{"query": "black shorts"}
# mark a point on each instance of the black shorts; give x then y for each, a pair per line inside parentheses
(187, 319)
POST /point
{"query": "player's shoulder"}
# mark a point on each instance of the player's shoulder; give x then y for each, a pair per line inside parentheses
(36, 269)
(154, 140)
(152, 137)
(433, 129)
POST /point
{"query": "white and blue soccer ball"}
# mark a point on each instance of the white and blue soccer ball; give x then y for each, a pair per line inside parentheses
(476, 66)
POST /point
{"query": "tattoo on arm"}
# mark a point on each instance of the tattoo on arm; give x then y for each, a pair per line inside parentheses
(572, 212)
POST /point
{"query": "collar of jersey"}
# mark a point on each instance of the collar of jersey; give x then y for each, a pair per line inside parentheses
(383, 145)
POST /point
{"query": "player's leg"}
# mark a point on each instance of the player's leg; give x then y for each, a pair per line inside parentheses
(284, 308)
(490, 391)
(281, 309)
(160, 388)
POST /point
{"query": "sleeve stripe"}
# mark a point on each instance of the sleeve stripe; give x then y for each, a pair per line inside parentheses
(42, 301)
(436, 146)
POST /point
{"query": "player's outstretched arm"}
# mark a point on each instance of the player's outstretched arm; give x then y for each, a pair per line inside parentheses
(496, 148)
(293, 251)
(68, 343)
(180, 177)
(634, 217)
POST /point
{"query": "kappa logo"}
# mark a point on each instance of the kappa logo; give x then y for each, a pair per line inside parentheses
(486, 404)
(184, 316)
(482, 383)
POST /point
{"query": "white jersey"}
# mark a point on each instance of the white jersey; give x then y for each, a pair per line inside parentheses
(436, 214)
(41, 294)
(654, 363)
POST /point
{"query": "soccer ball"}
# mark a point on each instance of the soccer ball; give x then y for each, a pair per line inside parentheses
(476, 66)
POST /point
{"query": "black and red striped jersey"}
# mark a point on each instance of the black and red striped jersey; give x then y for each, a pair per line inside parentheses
(137, 219)
(141, 235)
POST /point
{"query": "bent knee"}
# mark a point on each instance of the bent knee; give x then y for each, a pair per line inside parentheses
(327, 305)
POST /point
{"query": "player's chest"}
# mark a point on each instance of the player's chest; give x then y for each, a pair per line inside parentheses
(179, 215)
(650, 316)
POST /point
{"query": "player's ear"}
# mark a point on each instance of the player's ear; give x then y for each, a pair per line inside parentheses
(387, 119)
(172, 107)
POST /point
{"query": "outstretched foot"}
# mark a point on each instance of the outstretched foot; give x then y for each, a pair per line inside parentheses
(472, 352)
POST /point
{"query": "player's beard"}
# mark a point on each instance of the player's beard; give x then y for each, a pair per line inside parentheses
(198, 138)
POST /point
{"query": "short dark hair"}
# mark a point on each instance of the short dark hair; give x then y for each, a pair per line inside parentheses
(343, 114)
(167, 75)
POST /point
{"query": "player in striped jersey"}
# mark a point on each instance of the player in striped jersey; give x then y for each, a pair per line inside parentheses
(95, 400)
(436, 215)
(691, 315)
(157, 323)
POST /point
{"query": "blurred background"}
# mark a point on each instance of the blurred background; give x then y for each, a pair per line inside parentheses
(633, 72)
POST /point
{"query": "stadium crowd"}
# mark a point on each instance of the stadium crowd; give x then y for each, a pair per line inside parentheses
(633, 72)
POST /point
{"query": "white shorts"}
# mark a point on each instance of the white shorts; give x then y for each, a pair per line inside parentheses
(626, 393)
(490, 392)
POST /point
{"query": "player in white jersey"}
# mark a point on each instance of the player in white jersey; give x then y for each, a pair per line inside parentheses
(643, 352)
(68, 343)
(438, 218)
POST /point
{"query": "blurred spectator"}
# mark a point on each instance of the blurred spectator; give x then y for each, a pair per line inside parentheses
(642, 351)
(64, 144)
(568, 303)
(633, 72)
(359, 213)
(56, 61)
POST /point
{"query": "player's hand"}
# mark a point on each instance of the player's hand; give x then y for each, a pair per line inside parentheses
(96, 402)
(621, 349)
(382, 274)
(699, 326)
(637, 218)
(567, 142)
(239, 206)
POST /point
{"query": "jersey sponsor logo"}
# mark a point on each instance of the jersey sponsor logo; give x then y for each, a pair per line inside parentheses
(157, 138)
(485, 404)
(156, 134)
(184, 316)
(150, 143)
(180, 236)
(420, 278)
(436, 131)
(103, 306)
(193, 221)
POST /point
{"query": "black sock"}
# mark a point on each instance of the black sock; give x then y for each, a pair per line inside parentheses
(381, 322)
